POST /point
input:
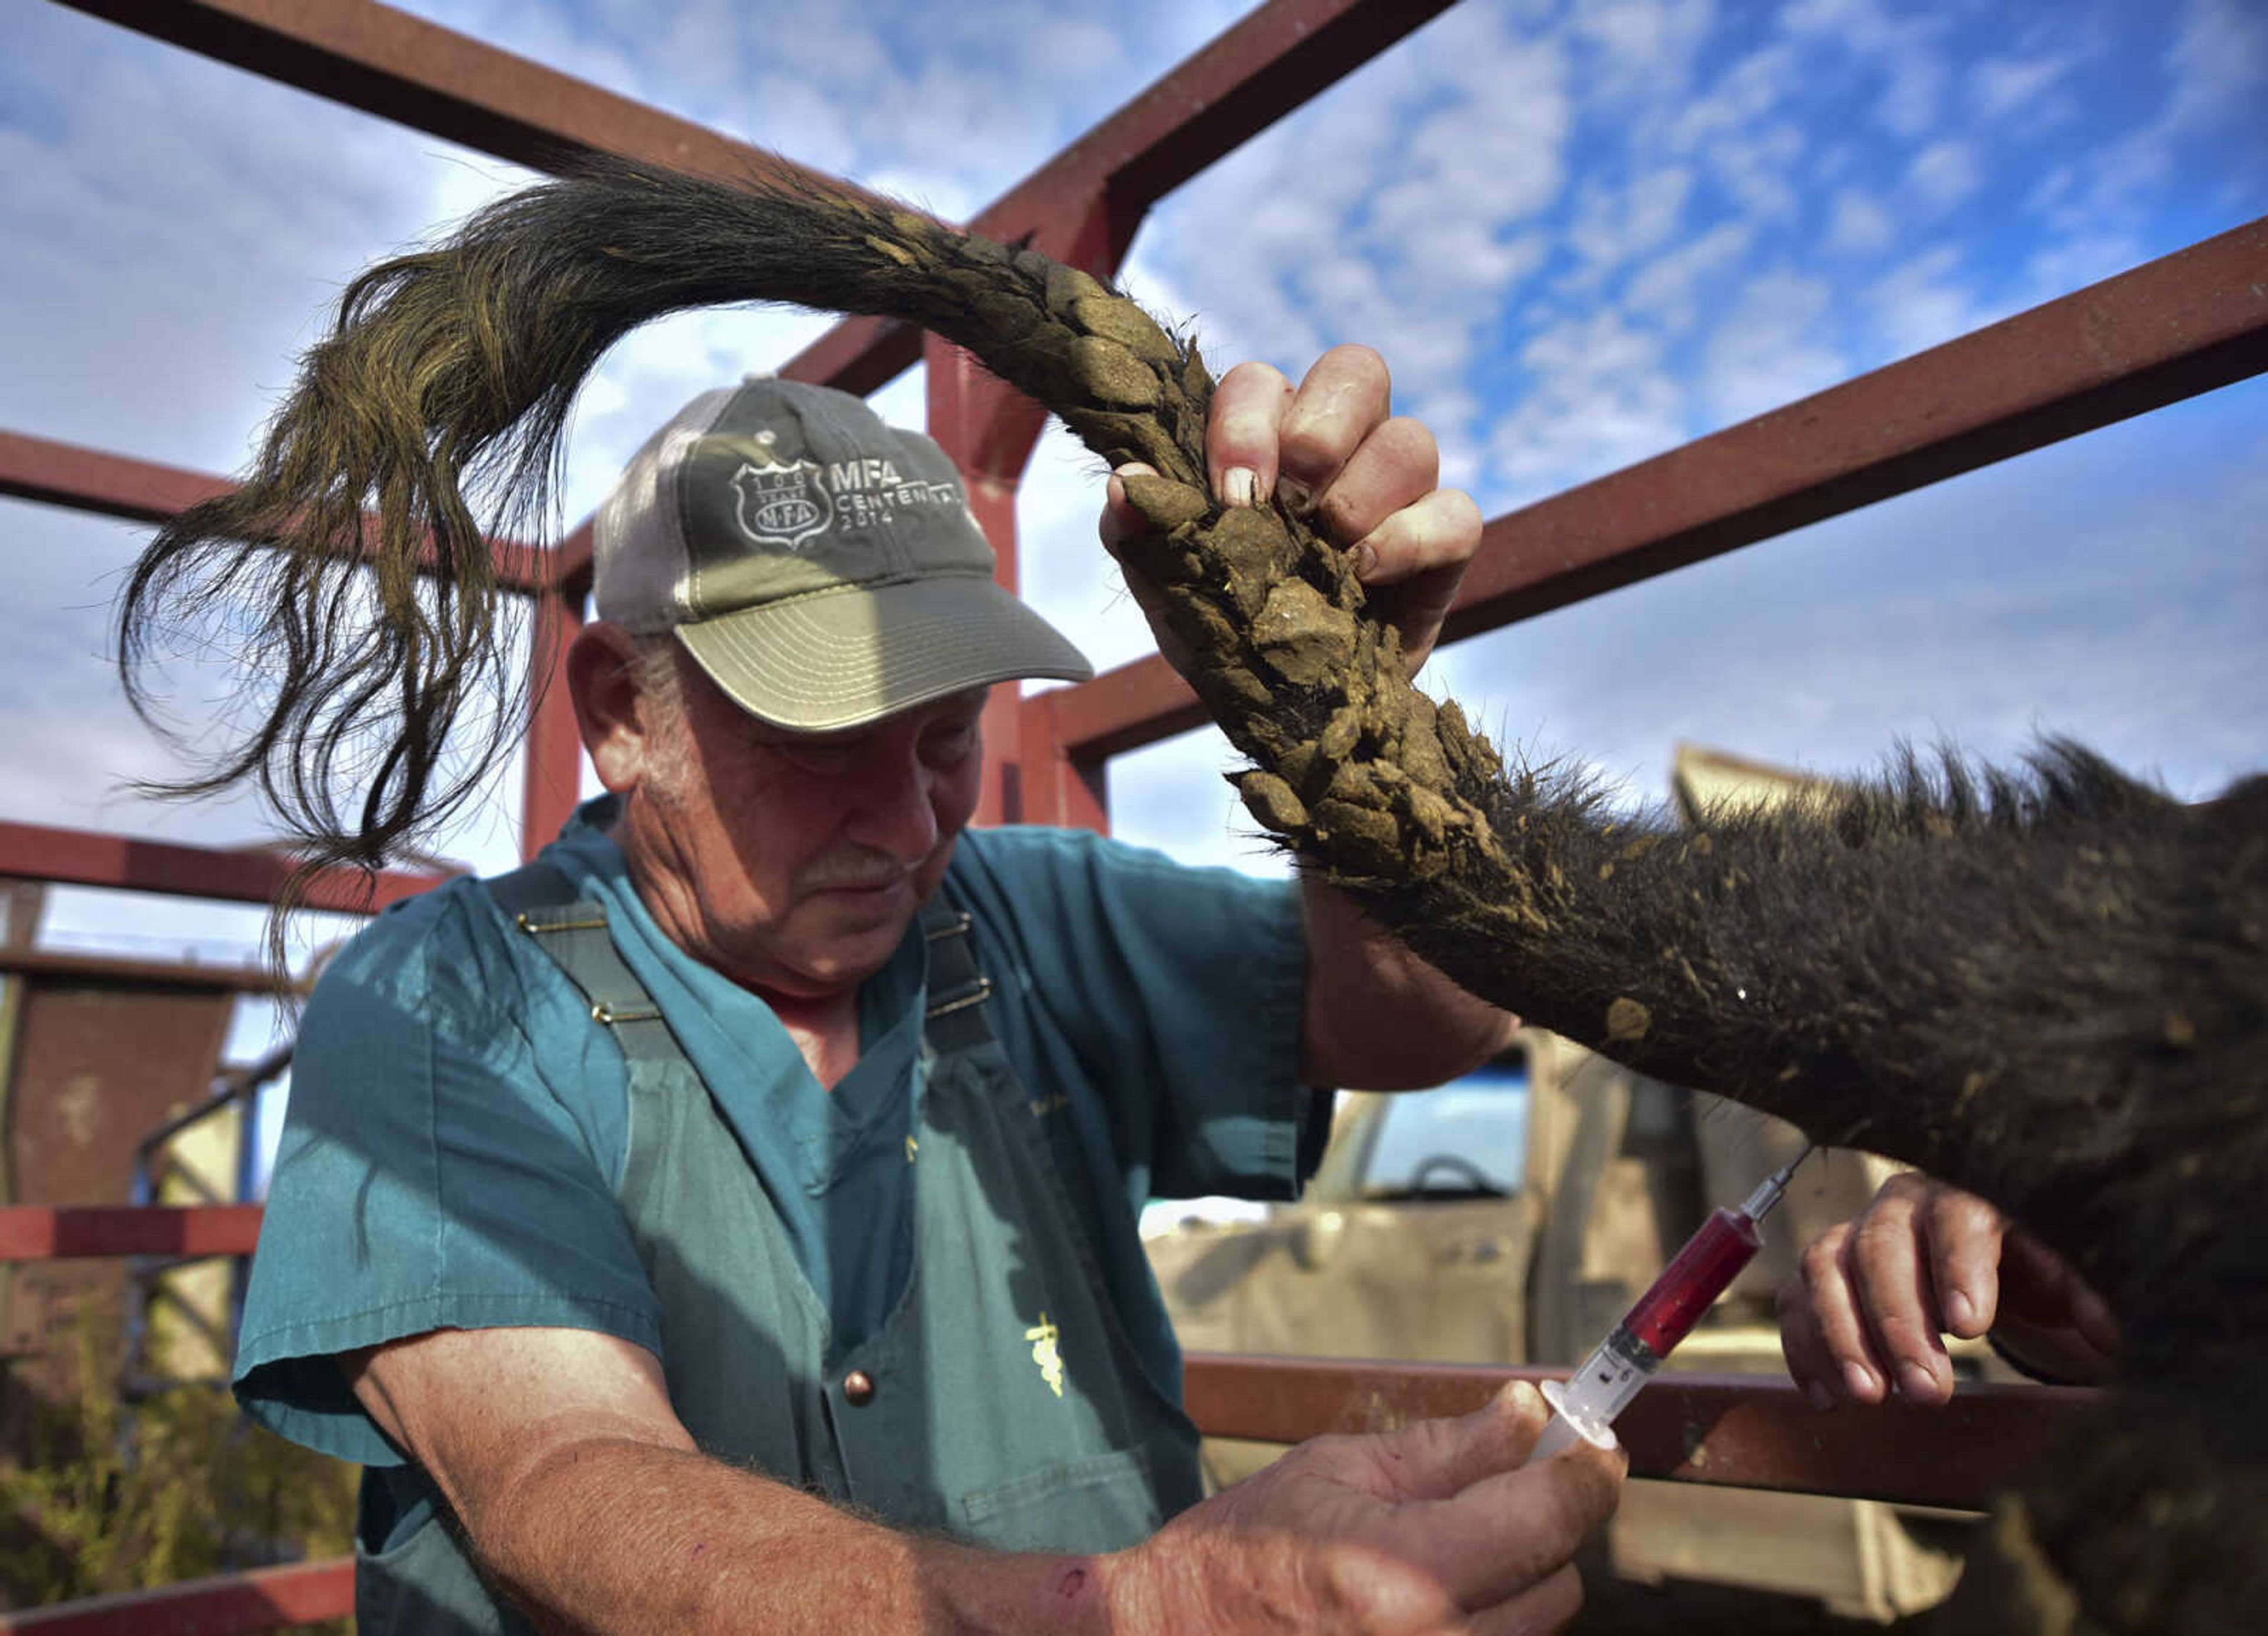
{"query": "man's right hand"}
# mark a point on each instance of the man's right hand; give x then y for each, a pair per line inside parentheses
(1433, 1529)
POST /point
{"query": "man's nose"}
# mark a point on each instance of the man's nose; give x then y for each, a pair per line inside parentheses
(895, 807)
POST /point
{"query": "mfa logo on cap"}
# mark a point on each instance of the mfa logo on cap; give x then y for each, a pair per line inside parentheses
(782, 503)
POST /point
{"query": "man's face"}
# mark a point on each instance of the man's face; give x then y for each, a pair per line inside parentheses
(794, 862)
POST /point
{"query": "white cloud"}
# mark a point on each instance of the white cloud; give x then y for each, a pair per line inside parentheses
(1645, 49)
(1065, 573)
(2213, 66)
(1598, 344)
(2053, 194)
(2127, 172)
(1172, 796)
(2075, 262)
(1913, 103)
(1612, 226)
(2022, 90)
(1754, 88)
(1772, 348)
(1919, 304)
(1668, 289)
(1758, 169)
(1904, 50)
(1862, 225)
(1943, 175)
(2218, 63)
(1600, 396)
(1496, 145)
(1455, 418)
(1398, 209)
(1457, 258)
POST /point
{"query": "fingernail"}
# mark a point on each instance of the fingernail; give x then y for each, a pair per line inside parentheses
(1297, 497)
(1239, 485)
(1822, 1399)
(1862, 1381)
(1365, 559)
(1958, 1312)
(1917, 1383)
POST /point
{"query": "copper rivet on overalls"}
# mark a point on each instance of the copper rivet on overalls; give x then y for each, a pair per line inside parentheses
(858, 1388)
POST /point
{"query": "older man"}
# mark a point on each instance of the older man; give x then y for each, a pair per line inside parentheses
(729, 1221)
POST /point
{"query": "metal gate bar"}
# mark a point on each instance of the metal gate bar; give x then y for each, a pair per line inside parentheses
(1734, 1431)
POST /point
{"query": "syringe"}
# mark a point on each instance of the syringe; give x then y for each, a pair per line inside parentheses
(1585, 1404)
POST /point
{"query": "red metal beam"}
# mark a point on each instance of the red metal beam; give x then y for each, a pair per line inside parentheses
(2169, 329)
(433, 79)
(84, 857)
(161, 974)
(1125, 708)
(234, 1604)
(860, 355)
(576, 570)
(77, 1232)
(552, 753)
(1057, 790)
(111, 485)
(1739, 1431)
(143, 492)
(1277, 57)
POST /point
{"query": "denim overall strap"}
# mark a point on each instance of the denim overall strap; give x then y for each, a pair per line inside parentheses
(543, 904)
(955, 1019)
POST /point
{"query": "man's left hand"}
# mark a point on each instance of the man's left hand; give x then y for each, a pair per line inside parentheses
(1332, 451)
(1865, 1311)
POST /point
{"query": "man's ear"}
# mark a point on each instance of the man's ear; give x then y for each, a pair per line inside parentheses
(602, 682)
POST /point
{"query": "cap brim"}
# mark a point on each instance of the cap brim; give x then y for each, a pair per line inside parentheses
(844, 659)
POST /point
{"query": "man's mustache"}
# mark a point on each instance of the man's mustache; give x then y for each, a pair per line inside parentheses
(862, 872)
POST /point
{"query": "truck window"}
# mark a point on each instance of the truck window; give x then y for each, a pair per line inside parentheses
(1468, 1138)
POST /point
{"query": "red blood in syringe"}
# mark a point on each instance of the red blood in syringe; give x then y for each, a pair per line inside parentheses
(1711, 1260)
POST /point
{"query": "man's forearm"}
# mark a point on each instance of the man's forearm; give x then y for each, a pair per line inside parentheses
(613, 1535)
(1378, 1018)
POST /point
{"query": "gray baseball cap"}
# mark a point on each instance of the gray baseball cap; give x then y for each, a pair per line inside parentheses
(822, 567)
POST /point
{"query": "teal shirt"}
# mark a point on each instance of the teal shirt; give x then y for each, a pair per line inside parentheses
(458, 1125)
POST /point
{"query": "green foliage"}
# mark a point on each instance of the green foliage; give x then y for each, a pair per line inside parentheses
(120, 1497)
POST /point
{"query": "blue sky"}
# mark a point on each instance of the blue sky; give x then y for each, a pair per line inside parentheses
(1582, 234)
